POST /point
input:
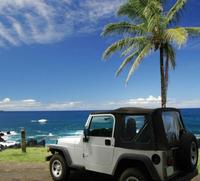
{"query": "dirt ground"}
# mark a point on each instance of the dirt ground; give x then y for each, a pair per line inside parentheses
(40, 172)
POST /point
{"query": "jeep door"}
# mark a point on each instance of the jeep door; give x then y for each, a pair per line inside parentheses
(99, 149)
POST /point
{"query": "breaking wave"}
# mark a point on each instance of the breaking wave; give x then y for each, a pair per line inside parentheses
(74, 133)
(41, 121)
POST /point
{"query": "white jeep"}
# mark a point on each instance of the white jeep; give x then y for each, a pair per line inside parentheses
(131, 144)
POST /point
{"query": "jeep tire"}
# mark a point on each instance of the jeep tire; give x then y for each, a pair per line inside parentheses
(188, 152)
(58, 168)
(132, 174)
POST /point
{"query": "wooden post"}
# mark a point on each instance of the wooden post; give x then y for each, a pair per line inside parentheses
(23, 140)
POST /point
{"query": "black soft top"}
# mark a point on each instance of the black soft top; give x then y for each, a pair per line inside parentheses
(127, 110)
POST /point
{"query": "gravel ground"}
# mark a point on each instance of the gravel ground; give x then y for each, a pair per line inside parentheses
(40, 172)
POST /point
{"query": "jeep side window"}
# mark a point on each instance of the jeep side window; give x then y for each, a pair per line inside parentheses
(101, 126)
(132, 126)
(172, 125)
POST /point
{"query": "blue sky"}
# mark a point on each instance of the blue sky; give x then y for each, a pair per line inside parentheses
(51, 59)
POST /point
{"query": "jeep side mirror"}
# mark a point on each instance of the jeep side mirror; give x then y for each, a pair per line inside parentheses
(86, 134)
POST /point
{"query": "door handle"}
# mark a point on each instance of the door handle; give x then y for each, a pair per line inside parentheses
(107, 142)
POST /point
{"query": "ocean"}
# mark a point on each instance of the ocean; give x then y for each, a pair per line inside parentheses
(51, 125)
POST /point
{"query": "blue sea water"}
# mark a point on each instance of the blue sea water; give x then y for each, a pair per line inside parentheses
(51, 125)
(57, 124)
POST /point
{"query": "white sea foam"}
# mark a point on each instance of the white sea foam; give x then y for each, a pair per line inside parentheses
(34, 121)
(50, 134)
(197, 136)
(8, 143)
(8, 134)
(5, 138)
(13, 133)
(31, 137)
(78, 132)
(43, 135)
(41, 121)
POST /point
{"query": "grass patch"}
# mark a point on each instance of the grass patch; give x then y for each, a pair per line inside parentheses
(31, 155)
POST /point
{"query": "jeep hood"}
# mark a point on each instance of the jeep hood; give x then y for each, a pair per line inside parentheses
(70, 140)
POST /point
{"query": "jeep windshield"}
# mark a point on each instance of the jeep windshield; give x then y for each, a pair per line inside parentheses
(172, 125)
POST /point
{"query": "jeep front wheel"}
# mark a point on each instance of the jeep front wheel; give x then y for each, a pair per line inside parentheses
(58, 168)
(132, 174)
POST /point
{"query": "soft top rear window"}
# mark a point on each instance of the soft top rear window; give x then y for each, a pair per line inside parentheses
(172, 125)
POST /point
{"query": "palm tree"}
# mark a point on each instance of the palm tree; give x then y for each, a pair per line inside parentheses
(148, 30)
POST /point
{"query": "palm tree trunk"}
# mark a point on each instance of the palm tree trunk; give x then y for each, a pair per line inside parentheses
(162, 75)
(166, 77)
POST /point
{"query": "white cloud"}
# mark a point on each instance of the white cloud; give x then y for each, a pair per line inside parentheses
(193, 103)
(98, 9)
(64, 106)
(28, 104)
(5, 100)
(153, 102)
(150, 101)
(8, 104)
(47, 21)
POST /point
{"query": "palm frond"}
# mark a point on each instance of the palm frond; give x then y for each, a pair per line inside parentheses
(128, 50)
(133, 9)
(153, 23)
(170, 54)
(138, 42)
(177, 35)
(122, 27)
(193, 31)
(139, 58)
(174, 11)
(153, 8)
(119, 45)
(125, 62)
(152, 13)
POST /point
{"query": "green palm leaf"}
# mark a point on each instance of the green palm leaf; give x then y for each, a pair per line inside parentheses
(177, 35)
(125, 62)
(137, 43)
(170, 54)
(193, 31)
(174, 11)
(133, 9)
(122, 27)
(119, 45)
(139, 58)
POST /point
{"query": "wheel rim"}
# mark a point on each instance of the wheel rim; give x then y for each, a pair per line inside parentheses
(194, 153)
(56, 168)
(132, 178)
